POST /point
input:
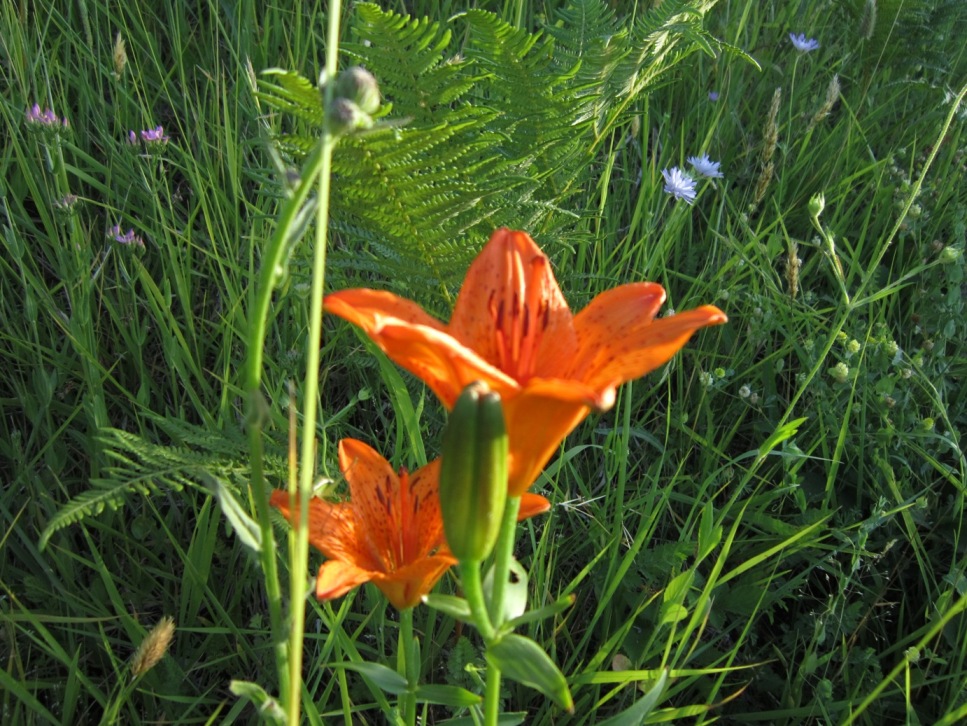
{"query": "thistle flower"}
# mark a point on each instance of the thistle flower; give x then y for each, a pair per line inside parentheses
(705, 166)
(679, 184)
(803, 44)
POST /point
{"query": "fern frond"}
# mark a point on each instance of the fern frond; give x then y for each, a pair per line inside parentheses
(504, 135)
(414, 71)
(291, 93)
(140, 467)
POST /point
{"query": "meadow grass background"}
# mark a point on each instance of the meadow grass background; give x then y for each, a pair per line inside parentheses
(777, 515)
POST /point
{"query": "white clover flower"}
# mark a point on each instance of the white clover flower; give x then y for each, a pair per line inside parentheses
(679, 184)
(803, 44)
(745, 391)
(705, 166)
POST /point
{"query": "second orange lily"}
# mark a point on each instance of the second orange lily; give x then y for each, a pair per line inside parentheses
(390, 532)
(512, 329)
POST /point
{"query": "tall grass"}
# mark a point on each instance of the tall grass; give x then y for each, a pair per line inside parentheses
(776, 516)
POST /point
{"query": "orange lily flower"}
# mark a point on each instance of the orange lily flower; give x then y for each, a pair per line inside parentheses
(512, 329)
(389, 533)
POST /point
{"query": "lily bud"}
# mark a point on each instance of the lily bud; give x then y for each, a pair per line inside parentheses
(473, 473)
(358, 85)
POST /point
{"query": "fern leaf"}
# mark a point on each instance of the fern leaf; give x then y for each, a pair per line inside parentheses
(139, 467)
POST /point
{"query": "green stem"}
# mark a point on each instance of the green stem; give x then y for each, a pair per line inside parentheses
(473, 591)
(408, 667)
(307, 460)
(503, 554)
(492, 696)
(258, 326)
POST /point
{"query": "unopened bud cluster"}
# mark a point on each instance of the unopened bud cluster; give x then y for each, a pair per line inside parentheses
(355, 100)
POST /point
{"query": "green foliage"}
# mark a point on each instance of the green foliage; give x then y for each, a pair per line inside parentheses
(494, 132)
(141, 467)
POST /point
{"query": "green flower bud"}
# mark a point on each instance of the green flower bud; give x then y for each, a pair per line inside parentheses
(949, 255)
(345, 116)
(817, 204)
(358, 85)
(473, 473)
(839, 372)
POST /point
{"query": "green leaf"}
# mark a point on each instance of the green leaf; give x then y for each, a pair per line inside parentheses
(383, 676)
(267, 707)
(456, 607)
(786, 431)
(515, 591)
(558, 606)
(672, 612)
(245, 528)
(709, 535)
(522, 660)
(452, 696)
(503, 719)
(644, 706)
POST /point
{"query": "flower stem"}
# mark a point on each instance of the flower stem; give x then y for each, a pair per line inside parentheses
(307, 469)
(503, 553)
(473, 591)
(408, 666)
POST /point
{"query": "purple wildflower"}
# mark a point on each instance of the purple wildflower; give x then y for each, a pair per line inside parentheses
(803, 44)
(125, 238)
(713, 96)
(44, 118)
(155, 135)
(132, 138)
(705, 166)
(679, 184)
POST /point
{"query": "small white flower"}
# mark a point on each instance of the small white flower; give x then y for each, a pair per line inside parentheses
(705, 166)
(803, 44)
(679, 184)
(745, 392)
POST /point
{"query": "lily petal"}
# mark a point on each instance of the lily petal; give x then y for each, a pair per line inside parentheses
(440, 361)
(374, 492)
(537, 421)
(617, 347)
(372, 309)
(531, 505)
(510, 306)
(337, 577)
(406, 586)
(332, 528)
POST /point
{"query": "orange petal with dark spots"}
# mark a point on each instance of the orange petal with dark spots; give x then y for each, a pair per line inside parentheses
(512, 329)
(390, 531)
